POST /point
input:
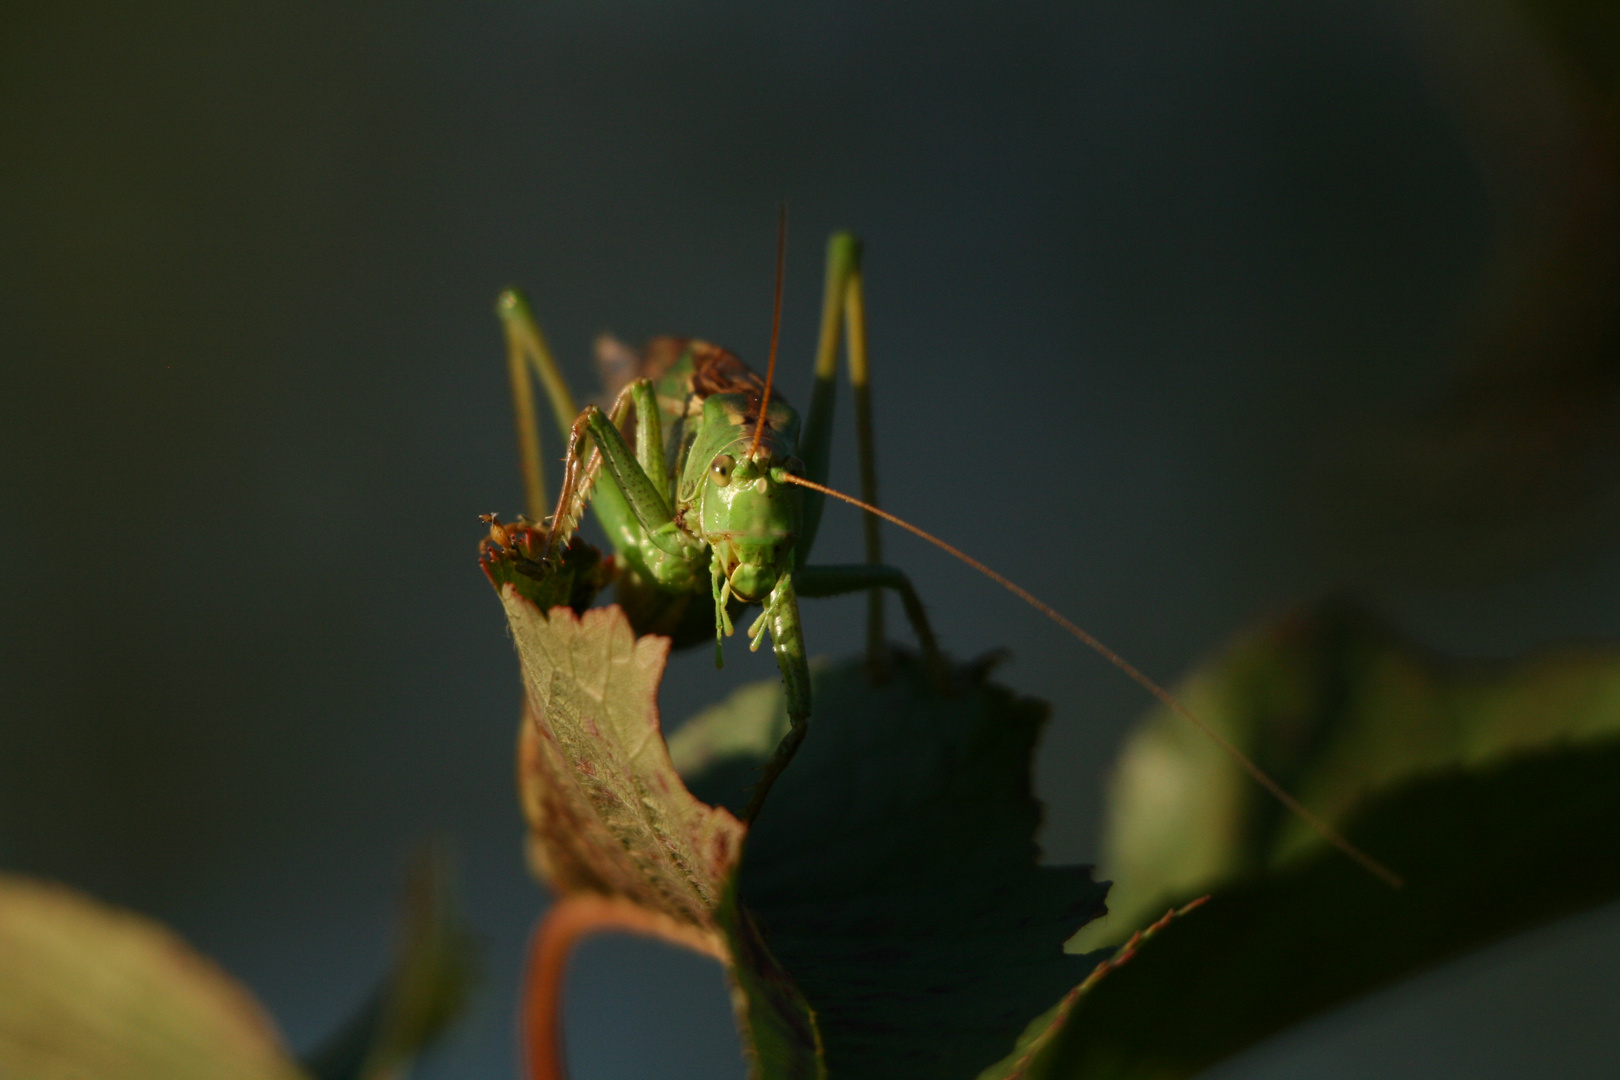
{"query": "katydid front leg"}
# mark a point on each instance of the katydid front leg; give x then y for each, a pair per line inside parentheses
(620, 520)
(672, 554)
(781, 616)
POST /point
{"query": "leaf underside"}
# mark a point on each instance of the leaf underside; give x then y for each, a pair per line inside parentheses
(894, 868)
(607, 812)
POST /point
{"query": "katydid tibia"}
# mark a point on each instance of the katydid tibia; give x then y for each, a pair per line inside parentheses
(710, 489)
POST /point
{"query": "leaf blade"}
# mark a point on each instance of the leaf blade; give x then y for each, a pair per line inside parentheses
(89, 991)
(1275, 950)
(895, 872)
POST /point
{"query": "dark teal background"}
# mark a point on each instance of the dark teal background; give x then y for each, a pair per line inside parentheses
(1146, 283)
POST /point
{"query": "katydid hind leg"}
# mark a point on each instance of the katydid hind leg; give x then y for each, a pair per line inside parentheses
(523, 336)
(528, 429)
(877, 651)
(815, 440)
(844, 315)
(525, 342)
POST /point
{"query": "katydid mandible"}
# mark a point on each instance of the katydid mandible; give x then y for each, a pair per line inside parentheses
(719, 499)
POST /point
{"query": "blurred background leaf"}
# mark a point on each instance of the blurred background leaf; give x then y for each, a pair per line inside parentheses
(93, 992)
(1492, 786)
(1339, 709)
(1514, 462)
(90, 992)
(1489, 851)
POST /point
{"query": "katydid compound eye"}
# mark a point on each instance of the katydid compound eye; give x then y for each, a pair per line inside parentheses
(720, 471)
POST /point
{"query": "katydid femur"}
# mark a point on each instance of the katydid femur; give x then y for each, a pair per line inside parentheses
(717, 503)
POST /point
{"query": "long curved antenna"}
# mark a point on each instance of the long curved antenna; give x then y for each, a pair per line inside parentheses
(1167, 699)
(776, 326)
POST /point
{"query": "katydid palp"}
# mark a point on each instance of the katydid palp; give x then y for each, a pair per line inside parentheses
(713, 491)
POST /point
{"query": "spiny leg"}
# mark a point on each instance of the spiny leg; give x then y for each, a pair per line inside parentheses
(645, 494)
(787, 641)
(665, 559)
(579, 479)
(844, 308)
(525, 342)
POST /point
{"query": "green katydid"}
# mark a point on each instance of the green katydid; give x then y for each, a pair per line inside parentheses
(716, 504)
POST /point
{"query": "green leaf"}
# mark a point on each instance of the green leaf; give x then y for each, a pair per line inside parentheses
(894, 869)
(90, 992)
(1035, 1047)
(1334, 706)
(1494, 787)
(608, 814)
(1487, 852)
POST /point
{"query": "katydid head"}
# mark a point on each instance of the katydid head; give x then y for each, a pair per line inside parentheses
(746, 512)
